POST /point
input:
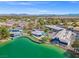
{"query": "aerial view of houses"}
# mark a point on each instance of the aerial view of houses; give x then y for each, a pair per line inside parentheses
(38, 33)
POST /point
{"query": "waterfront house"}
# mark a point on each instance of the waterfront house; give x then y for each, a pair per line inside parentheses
(17, 32)
(64, 38)
(37, 32)
(53, 29)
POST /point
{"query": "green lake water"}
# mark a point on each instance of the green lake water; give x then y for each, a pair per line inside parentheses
(24, 48)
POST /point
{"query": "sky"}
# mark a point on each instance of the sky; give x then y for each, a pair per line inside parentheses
(39, 7)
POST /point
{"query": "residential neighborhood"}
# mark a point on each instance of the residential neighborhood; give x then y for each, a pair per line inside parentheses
(40, 34)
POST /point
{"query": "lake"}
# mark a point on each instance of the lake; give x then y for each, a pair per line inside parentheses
(23, 47)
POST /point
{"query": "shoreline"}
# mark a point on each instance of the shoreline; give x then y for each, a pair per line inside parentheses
(41, 43)
(31, 39)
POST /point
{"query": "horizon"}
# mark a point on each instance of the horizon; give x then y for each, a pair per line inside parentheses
(39, 7)
(36, 14)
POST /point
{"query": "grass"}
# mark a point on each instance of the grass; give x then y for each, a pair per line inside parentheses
(5, 42)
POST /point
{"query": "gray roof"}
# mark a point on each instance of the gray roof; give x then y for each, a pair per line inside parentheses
(54, 27)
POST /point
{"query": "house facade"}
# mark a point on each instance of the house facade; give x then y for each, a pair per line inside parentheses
(64, 38)
(17, 32)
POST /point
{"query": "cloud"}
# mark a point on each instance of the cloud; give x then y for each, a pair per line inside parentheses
(18, 3)
(26, 2)
(38, 11)
(74, 2)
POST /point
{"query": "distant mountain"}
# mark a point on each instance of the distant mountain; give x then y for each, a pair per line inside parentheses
(73, 14)
(38, 15)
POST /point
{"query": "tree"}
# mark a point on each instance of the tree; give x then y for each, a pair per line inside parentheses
(4, 33)
(45, 39)
(41, 21)
(74, 24)
(29, 32)
(46, 30)
(30, 26)
(75, 45)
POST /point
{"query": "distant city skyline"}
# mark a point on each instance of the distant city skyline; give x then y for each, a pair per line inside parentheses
(39, 7)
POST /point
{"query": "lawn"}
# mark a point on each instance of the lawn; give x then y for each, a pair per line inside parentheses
(23, 47)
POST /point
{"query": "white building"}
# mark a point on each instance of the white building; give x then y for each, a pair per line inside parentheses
(37, 32)
(15, 32)
(64, 37)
